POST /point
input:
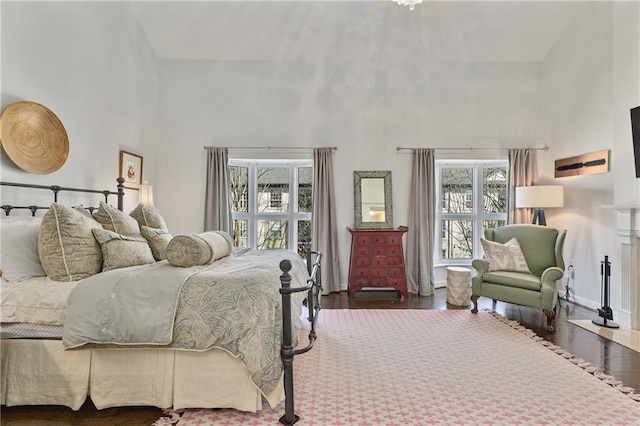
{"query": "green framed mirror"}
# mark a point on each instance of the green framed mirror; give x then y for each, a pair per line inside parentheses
(373, 200)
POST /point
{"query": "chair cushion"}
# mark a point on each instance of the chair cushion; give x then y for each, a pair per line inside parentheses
(513, 279)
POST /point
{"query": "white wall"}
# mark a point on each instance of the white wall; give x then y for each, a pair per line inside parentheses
(590, 83)
(92, 65)
(330, 103)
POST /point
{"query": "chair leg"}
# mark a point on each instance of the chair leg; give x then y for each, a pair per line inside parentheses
(474, 300)
(550, 316)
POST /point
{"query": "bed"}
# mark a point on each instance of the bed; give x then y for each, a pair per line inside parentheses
(159, 320)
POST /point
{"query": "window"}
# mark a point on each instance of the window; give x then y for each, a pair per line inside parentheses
(472, 196)
(271, 203)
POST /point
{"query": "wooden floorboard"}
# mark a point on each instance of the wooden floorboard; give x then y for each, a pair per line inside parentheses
(617, 360)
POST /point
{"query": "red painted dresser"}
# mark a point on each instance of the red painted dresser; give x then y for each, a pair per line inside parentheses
(377, 259)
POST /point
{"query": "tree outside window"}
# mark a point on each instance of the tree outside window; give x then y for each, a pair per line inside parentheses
(472, 197)
(271, 203)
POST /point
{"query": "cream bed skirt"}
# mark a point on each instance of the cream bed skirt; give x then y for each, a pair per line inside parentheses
(41, 372)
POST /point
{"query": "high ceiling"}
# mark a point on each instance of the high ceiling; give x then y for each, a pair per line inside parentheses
(355, 30)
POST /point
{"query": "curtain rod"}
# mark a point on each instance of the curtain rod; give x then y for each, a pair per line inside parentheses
(399, 148)
(335, 148)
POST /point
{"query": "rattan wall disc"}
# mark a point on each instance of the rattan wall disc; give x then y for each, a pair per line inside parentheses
(33, 137)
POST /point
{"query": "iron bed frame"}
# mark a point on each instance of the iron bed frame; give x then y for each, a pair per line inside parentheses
(313, 288)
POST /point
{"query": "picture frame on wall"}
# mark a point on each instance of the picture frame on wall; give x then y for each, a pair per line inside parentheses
(131, 169)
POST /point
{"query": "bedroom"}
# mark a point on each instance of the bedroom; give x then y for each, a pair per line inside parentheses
(349, 74)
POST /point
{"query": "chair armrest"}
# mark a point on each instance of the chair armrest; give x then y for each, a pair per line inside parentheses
(549, 291)
(481, 266)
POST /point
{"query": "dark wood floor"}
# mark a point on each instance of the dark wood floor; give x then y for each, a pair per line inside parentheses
(614, 359)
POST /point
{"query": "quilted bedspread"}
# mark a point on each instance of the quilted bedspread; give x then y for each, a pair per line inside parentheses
(233, 304)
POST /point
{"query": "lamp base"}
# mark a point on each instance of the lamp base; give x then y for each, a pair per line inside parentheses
(538, 217)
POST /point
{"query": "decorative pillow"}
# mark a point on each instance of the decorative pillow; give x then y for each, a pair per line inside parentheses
(148, 216)
(158, 240)
(20, 259)
(120, 251)
(67, 248)
(16, 220)
(200, 249)
(84, 211)
(114, 220)
(505, 257)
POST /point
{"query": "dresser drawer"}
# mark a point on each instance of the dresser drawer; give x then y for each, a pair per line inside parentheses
(393, 239)
(379, 250)
(378, 260)
(362, 239)
(361, 261)
(393, 250)
(398, 283)
(378, 271)
(361, 272)
(395, 271)
(378, 282)
(362, 250)
(379, 238)
(395, 260)
(360, 282)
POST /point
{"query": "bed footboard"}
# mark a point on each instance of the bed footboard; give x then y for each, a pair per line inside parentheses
(314, 293)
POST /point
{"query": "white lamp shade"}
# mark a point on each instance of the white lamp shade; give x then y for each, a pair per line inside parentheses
(145, 196)
(540, 196)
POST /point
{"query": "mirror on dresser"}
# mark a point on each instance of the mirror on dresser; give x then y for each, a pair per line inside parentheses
(373, 199)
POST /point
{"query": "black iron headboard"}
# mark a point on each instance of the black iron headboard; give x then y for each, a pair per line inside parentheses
(55, 188)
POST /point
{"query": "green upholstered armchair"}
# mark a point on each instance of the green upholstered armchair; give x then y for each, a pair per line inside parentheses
(542, 250)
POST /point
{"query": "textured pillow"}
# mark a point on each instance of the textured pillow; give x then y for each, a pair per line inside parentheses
(158, 240)
(20, 259)
(505, 257)
(80, 208)
(114, 220)
(67, 248)
(148, 216)
(200, 249)
(120, 251)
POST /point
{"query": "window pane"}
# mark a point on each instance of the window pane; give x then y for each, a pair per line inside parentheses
(304, 189)
(304, 237)
(273, 189)
(239, 186)
(490, 224)
(494, 197)
(240, 227)
(457, 239)
(457, 190)
(272, 234)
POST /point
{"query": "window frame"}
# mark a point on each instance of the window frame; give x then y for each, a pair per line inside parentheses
(477, 215)
(252, 216)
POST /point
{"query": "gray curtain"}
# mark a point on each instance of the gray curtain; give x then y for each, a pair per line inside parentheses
(324, 234)
(420, 237)
(523, 171)
(217, 200)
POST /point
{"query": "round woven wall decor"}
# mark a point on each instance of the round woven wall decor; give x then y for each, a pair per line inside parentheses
(33, 137)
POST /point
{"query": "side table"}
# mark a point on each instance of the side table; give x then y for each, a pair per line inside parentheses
(458, 286)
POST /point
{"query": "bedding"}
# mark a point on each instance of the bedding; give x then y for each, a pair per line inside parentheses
(232, 304)
(35, 300)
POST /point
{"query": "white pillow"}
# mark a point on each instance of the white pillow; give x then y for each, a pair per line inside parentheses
(19, 260)
(505, 257)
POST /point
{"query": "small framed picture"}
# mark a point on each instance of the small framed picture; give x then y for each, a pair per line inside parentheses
(131, 169)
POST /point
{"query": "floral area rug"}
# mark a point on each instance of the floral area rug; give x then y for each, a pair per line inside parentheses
(419, 367)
